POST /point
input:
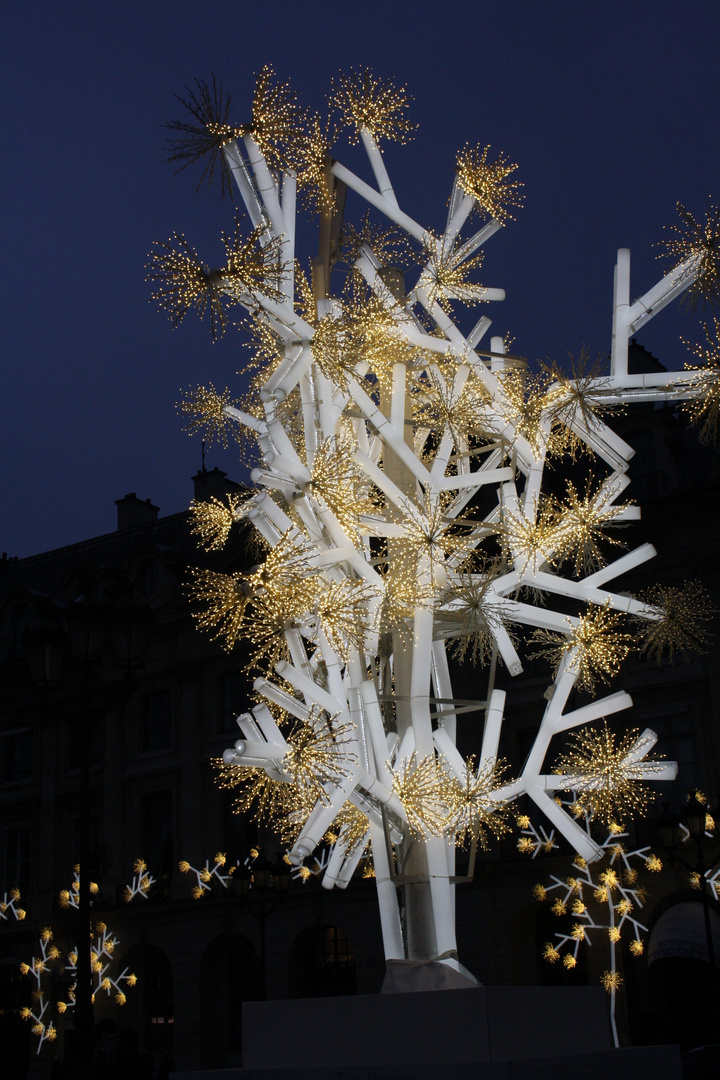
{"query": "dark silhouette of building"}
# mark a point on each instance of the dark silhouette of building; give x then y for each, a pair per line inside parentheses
(156, 722)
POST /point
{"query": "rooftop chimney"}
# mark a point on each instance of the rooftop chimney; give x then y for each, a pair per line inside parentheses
(213, 483)
(133, 511)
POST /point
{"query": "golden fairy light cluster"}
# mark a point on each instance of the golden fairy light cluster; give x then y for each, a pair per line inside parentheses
(339, 482)
(473, 613)
(578, 403)
(318, 755)
(607, 773)
(183, 282)
(703, 408)
(213, 519)
(446, 274)
(487, 182)
(204, 411)
(700, 243)
(594, 648)
(680, 621)
(581, 522)
(474, 810)
(277, 120)
(367, 103)
(439, 803)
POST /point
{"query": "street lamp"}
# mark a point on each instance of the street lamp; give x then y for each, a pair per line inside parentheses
(692, 819)
(262, 887)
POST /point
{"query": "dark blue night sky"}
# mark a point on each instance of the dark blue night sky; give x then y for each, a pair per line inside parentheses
(610, 108)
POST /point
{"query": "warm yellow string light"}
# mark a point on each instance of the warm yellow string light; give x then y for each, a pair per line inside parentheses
(581, 526)
(597, 645)
(374, 105)
(213, 519)
(577, 404)
(472, 812)
(681, 627)
(417, 782)
(606, 775)
(445, 275)
(701, 243)
(486, 182)
(204, 411)
(703, 408)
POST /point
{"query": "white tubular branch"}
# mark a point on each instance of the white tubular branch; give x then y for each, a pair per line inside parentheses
(379, 202)
(378, 167)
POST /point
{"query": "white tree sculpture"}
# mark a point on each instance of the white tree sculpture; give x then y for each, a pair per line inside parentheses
(399, 496)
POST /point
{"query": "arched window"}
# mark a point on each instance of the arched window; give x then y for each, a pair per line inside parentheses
(150, 1009)
(15, 1033)
(684, 984)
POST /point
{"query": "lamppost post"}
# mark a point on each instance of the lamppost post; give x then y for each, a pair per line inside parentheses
(87, 624)
(262, 889)
(694, 814)
(693, 817)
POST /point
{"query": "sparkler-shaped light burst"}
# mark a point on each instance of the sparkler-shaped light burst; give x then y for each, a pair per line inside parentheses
(317, 753)
(447, 272)
(204, 409)
(475, 609)
(419, 784)
(400, 498)
(277, 121)
(699, 245)
(487, 182)
(581, 524)
(373, 105)
(606, 776)
(184, 282)
(681, 625)
(213, 520)
(206, 137)
(474, 808)
(226, 597)
(703, 407)
(595, 646)
(578, 401)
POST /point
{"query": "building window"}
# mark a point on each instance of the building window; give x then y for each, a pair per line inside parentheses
(16, 858)
(155, 721)
(16, 755)
(96, 850)
(322, 963)
(157, 836)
